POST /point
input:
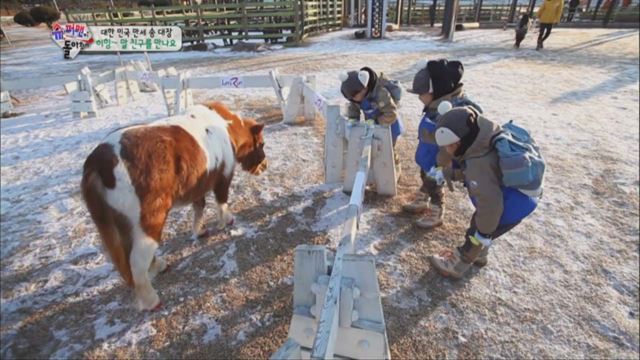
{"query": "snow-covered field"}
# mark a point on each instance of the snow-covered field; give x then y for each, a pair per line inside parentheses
(564, 284)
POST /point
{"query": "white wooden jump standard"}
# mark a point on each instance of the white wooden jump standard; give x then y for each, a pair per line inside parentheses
(338, 315)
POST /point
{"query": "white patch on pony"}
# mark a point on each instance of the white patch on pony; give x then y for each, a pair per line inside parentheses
(215, 143)
(140, 259)
(122, 197)
(343, 76)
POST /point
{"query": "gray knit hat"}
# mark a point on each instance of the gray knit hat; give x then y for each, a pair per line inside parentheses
(421, 82)
(453, 126)
(353, 82)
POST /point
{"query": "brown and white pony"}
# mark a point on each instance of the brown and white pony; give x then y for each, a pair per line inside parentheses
(137, 174)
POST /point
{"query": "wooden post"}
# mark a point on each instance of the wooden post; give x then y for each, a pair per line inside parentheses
(200, 24)
(595, 11)
(532, 6)
(512, 11)
(296, 20)
(607, 17)
(479, 11)
(244, 19)
(153, 14)
(448, 22)
(445, 19)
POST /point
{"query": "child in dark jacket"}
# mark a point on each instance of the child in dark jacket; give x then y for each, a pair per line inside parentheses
(436, 81)
(522, 29)
(369, 93)
(467, 136)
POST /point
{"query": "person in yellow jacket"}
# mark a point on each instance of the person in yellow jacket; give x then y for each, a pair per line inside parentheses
(549, 14)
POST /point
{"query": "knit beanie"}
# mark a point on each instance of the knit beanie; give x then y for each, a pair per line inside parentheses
(458, 125)
(354, 81)
(439, 77)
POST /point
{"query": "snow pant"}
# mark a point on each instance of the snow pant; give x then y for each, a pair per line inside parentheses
(431, 188)
(545, 31)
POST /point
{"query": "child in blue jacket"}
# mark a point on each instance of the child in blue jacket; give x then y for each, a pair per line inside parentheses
(437, 81)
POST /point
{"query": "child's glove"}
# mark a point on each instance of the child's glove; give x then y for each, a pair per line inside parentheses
(479, 239)
(370, 122)
(436, 174)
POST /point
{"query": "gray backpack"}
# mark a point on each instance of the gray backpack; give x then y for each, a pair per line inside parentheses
(394, 88)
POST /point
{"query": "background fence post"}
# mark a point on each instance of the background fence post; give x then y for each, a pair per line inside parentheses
(607, 17)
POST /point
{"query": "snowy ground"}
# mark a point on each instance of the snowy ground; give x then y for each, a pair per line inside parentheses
(563, 284)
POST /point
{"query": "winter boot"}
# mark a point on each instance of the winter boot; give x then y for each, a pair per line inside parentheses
(539, 45)
(454, 263)
(419, 205)
(433, 218)
(482, 259)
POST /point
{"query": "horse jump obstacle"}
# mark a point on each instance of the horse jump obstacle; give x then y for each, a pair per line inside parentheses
(88, 91)
(337, 309)
(177, 87)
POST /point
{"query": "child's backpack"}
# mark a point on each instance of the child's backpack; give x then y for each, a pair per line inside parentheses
(520, 160)
(394, 88)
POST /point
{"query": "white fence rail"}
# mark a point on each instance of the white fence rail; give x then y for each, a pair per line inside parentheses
(178, 87)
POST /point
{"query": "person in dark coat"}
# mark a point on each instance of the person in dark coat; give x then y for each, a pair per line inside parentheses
(522, 29)
(573, 6)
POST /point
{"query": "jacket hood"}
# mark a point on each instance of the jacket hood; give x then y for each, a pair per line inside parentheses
(487, 129)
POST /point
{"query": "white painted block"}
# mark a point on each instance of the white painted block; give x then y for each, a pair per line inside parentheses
(288, 351)
(294, 105)
(310, 262)
(121, 86)
(310, 107)
(353, 343)
(334, 145)
(382, 163)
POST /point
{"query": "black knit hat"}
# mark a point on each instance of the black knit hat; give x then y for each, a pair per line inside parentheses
(354, 81)
(439, 77)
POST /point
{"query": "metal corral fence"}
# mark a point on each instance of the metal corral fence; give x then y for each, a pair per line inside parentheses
(417, 12)
(288, 20)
